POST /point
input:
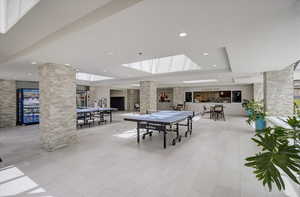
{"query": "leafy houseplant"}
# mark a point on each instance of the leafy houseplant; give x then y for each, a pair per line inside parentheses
(257, 115)
(296, 109)
(247, 105)
(277, 155)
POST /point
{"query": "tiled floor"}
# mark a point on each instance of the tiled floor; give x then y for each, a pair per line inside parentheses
(108, 162)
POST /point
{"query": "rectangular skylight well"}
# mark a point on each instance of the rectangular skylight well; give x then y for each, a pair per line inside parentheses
(164, 65)
(201, 81)
(90, 77)
(135, 84)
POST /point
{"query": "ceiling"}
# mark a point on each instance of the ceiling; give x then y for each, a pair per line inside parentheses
(12, 11)
(242, 38)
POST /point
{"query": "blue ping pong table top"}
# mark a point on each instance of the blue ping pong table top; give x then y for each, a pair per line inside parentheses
(94, 109)
(162, 116)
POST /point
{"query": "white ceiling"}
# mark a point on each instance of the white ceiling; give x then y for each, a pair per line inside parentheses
(242, 38)
(44, 19)
(11, 11)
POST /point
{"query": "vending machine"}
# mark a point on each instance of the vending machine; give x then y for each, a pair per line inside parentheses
(28, 110)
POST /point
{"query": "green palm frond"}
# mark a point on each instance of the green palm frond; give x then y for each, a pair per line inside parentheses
(276, 153)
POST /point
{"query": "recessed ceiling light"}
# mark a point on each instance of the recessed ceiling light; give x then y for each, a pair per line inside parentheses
(201, 81)
(214, 65)
(33, 63)
(67, 64)
(205, 54)
(109, 53)
(183, 34)
(104, 70)
(136, 85)
(76, 69)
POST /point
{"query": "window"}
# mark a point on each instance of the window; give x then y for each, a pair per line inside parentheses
(188, 97)
(212, 97)
(236, 96)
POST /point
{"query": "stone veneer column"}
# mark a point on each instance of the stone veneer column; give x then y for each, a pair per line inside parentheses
(148, 100)
(258, 91)
(98, 92)
(7, 103)
(279, 92)
(178, 96)
(133, 98)
(57, 105)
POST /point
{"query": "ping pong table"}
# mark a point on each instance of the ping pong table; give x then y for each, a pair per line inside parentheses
(163, 121)
(90, 110)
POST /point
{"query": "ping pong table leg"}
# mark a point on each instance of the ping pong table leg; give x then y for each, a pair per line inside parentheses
(138, 132)
(110, 114)
(177, 130)
(165, 136)
(191, 126)
(178, 136)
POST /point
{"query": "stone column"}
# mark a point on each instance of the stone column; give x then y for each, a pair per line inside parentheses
(279, 92)
(133, 98)
(258, 92)
(7, 103)
(178, 96)
(97, 93)
(57, 105)
(148, 100)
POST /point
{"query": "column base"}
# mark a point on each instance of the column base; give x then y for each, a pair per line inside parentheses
(54, 141)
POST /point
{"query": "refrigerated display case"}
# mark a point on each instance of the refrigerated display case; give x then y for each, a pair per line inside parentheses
(82, 98)
(28, 111)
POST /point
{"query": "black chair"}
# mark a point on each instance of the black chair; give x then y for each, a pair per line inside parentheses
(206, 111)
(80, 120)
(218, 112)
(178, 107)
(137, 107)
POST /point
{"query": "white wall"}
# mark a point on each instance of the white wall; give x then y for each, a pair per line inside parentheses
(230, 108)
(98, 92)
(178, 95)
(258, 91)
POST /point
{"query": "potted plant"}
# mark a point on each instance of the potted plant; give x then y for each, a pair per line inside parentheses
(257, 115)
(278, 155)
(296, 109)
(247, 106)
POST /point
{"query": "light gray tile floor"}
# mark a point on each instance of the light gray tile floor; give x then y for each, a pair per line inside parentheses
(108, 162)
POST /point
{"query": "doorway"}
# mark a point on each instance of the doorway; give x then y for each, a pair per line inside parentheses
(118, 102)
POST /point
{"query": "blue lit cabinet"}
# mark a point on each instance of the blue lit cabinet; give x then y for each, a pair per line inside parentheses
(28, 111)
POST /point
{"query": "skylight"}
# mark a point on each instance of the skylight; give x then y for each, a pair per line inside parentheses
(165, 65)
(11, 11)
(90, 77)
(201, 81)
